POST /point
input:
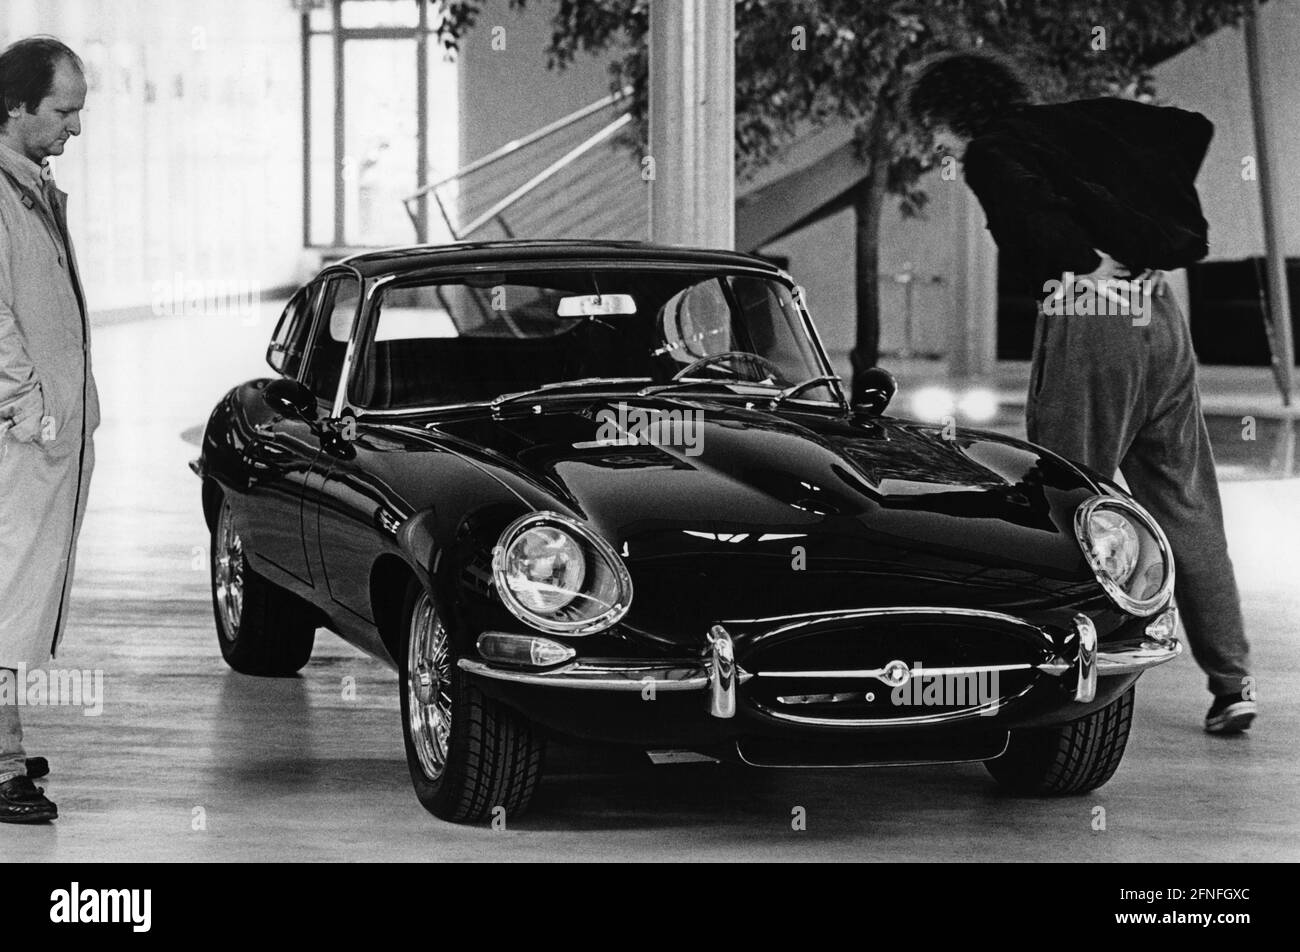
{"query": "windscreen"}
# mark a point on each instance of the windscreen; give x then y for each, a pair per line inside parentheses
(476, 338)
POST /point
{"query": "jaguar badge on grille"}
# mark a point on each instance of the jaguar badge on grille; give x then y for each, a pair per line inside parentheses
(895, 673)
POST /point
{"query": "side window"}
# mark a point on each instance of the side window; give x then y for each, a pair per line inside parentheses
(289, 342)
(338, 310)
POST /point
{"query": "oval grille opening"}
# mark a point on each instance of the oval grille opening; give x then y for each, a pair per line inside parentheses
(893, 668)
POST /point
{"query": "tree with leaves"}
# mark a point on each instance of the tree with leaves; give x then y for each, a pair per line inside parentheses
(801, 64)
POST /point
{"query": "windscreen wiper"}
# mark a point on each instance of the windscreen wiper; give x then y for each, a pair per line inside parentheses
(562, 386)
(799, 388)
(687, 384)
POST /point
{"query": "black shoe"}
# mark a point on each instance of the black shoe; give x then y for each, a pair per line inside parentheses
(21, 801)
(1229, 714)
(37, 767)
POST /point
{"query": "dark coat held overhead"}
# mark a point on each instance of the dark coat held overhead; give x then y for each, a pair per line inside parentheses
(1057, 181)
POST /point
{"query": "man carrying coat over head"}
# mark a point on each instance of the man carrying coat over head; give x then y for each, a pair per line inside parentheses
(1103, 190)
(48, 404)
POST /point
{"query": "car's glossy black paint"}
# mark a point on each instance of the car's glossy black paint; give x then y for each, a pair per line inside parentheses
(886, 512)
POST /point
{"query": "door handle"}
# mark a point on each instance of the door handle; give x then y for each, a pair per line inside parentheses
(387, 521)
(266, 427)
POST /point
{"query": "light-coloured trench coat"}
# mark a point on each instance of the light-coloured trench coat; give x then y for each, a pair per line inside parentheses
(44, 370)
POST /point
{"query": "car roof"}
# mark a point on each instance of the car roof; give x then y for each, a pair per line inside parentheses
(410, 258)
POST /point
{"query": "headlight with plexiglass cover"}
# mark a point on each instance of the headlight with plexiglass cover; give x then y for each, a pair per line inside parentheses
(555, 574)
(1128, 552)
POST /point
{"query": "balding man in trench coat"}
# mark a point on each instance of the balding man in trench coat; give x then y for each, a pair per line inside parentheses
(48, 404)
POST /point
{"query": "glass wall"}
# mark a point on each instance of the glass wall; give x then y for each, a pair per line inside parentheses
(188, 170)
(381, 120)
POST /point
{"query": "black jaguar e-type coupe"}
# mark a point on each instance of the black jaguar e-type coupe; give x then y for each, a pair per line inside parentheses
(614, 492)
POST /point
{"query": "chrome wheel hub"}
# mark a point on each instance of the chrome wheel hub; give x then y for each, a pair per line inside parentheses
(228, 573)
(428, 685)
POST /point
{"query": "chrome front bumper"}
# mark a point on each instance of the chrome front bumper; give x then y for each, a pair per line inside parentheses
(719, 674)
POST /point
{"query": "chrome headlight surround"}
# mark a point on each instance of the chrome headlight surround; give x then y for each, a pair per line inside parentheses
(1153, 543)
(602, 569)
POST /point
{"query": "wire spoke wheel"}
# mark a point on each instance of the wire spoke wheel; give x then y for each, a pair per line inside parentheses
(428, 686)
(468, 754)
(262, 630)
(228, 575)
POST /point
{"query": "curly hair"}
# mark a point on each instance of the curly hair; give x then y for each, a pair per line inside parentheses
(965, 91)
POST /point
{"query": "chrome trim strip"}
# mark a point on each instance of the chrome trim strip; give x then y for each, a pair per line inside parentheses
(811, 618)
(722, 673)
(1085, 659)
(360, 320)
(810, 330)
(968, 713)
(422, 411)
(425, 410)
(884, 610)
(588, 675)
(879, 673)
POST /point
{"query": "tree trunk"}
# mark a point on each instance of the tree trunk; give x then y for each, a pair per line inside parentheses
(868, 203)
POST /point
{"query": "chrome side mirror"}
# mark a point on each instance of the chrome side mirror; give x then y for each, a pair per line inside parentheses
(290, 397)
(874, 389)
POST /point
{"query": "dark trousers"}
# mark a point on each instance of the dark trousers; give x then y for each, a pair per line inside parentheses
(1118, 392)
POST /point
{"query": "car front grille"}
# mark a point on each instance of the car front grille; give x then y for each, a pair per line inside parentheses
(892, 667)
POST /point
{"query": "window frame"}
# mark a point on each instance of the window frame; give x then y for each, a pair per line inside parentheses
(306, 318)
(320, 325)
(423, 37)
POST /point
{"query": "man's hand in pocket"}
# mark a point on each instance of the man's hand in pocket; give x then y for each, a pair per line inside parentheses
(26, 420)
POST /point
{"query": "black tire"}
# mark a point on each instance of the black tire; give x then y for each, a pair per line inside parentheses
(492, 761)
(265, 631)
(1070, 759)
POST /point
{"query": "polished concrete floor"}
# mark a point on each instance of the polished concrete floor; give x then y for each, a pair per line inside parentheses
(295, 770)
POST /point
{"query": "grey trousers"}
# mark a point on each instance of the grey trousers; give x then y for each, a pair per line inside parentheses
(1118, 392)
